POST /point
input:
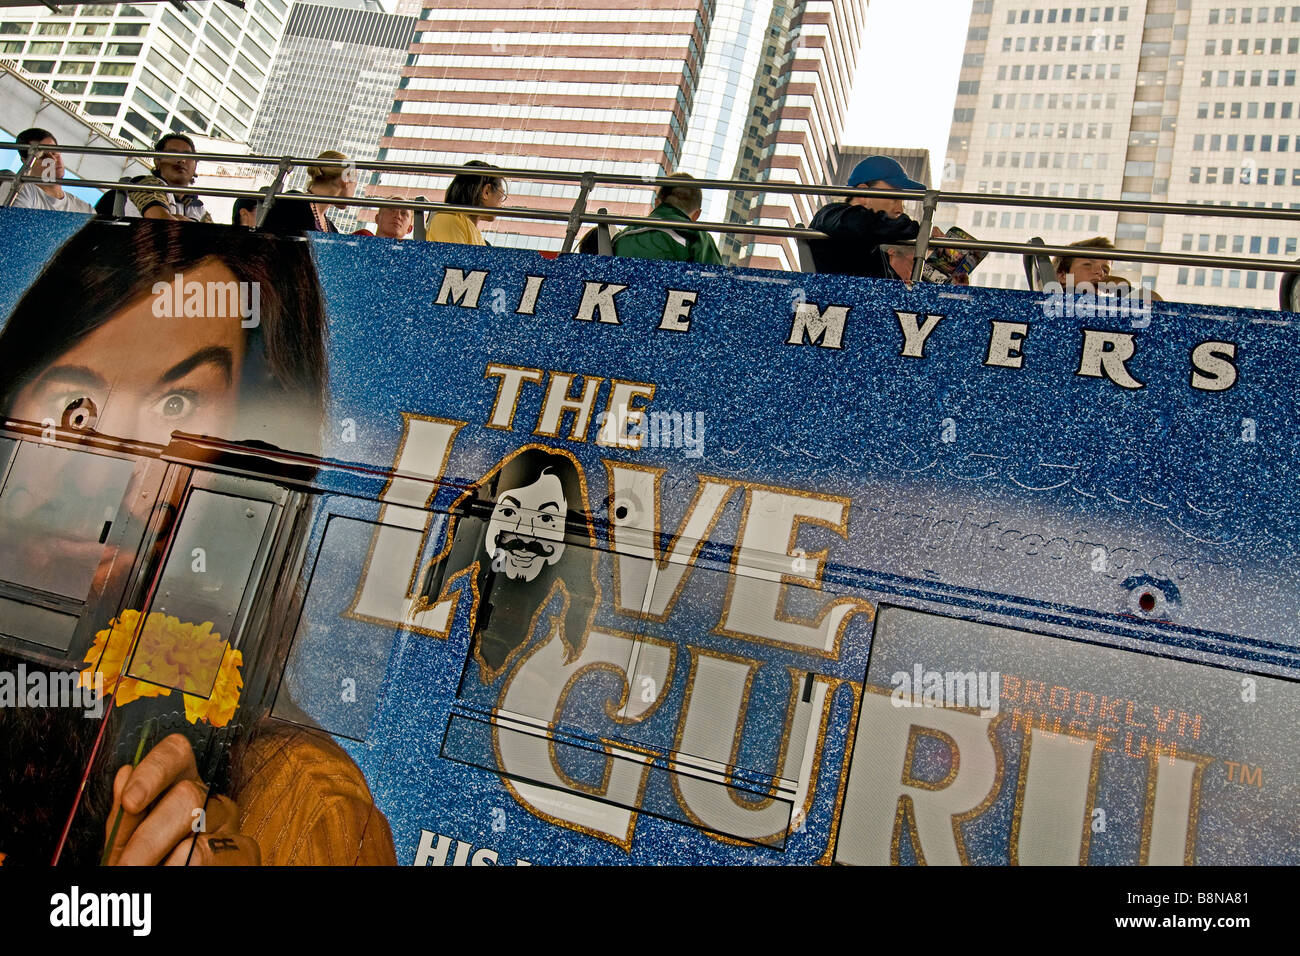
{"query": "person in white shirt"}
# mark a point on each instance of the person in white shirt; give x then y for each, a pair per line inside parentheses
(48, 164)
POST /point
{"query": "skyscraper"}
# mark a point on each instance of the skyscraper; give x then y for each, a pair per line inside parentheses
(331, 83)
(733, 57)
(715, 88)
(143, 70)
(568, 85)
(1162, 100)
(796, 114)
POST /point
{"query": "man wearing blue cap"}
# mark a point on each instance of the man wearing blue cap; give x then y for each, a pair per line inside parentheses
(859, 227)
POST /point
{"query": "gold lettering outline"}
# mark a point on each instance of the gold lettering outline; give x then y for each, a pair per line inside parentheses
(814, 584)
(1022, 778)
(609, 405)
(702, 481)
(437, 484)
(488, 373)
(1193, 806)
(568, 378)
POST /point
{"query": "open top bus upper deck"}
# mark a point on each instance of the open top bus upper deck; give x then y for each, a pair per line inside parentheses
(600, 560)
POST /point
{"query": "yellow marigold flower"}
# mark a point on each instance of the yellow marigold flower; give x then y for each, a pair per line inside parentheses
(110, 650)
(168, 654)
(183, 656)
(219, 708)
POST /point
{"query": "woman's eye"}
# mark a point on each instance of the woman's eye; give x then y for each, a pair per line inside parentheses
(63, 402)
(507, 512)
(174, 405)
(547, 519)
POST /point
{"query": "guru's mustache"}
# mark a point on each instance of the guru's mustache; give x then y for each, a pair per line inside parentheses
(509, 541)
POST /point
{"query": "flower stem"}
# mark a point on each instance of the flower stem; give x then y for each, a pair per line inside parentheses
(135, 762)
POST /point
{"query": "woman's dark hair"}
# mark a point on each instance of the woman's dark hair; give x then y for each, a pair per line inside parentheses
(466, 189)
(107, 265)
(43, 756)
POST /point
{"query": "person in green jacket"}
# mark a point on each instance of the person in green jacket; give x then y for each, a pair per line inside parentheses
(676, 204)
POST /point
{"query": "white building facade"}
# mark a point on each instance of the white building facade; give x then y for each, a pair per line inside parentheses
(1127, 101)
(148, 69)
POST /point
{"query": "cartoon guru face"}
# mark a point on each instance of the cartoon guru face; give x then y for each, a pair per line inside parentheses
(526, 531)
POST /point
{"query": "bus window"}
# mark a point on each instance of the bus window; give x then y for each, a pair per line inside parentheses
(58, 509)
(208, 576)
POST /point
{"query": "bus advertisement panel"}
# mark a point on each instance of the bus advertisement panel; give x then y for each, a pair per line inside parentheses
(449, 555)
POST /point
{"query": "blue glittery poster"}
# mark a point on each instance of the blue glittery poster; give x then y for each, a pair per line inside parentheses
(610, 561)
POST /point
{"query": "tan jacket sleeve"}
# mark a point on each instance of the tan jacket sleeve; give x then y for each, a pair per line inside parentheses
(305, 802)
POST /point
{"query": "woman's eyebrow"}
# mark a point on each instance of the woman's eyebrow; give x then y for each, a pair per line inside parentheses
(217, 355)
(76, 375)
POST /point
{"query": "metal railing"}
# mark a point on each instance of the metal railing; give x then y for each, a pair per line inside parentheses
(585, 182)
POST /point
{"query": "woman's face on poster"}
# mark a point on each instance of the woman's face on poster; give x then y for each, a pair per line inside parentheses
(142, 377)
(136, 376)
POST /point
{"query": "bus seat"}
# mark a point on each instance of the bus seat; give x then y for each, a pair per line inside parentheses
(1038, 267)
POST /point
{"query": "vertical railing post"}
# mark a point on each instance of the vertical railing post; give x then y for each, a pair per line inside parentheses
(418, 226)
(579, 207)
(604, 240)
(928, 206)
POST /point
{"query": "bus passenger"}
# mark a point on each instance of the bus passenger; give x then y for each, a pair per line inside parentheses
(48, 164)
(391, 222)
(468, 189)
(1084, 268)
(177, 172)
(859, 227)
(676, 203)
(293, 215)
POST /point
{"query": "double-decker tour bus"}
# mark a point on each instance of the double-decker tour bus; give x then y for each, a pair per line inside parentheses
(458, 555)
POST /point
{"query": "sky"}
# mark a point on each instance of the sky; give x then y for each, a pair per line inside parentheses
(907, 76)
